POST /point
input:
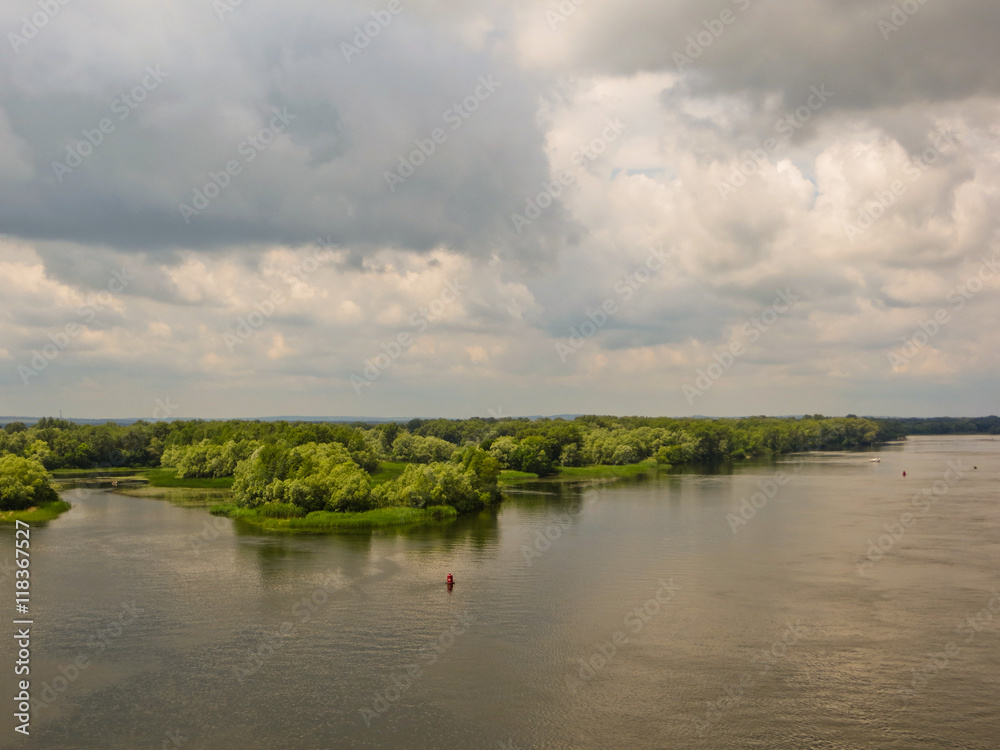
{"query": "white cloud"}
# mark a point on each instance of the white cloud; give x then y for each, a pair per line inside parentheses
(598, 95)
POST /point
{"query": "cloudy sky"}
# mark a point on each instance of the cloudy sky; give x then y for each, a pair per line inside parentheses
(442, 208)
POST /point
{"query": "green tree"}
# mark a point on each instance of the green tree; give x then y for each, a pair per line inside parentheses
(422, 450)
(532, 455)
(571, 456)
(39, 451)
(24, 483)
(502, 450)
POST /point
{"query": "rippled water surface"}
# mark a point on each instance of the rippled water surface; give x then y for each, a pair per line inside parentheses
(650, 616)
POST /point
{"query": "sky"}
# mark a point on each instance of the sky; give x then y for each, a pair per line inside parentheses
(239, 208)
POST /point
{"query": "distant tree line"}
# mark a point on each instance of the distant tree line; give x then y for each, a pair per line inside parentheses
(899, 428)
(213, 448)
(325, 466)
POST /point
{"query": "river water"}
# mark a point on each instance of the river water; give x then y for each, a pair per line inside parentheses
(642, 614)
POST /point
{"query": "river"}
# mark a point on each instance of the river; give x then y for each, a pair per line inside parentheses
(850, 609)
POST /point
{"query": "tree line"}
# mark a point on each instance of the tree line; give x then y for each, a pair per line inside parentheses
(213, 448)
(328, 466)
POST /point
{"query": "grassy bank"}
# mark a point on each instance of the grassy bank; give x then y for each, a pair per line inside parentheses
(509, 476)
(46, 512)
(152, 483)
(387, 471)
(581, 473)
(168, 478)
(87, 473)
(182, 496)
(327, 521)
(155, 476)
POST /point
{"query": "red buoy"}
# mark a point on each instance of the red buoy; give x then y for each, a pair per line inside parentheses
(451, 580)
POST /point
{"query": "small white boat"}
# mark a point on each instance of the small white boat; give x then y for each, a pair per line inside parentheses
(875, 460)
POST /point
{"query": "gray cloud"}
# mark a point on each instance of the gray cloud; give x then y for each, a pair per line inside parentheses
(351, 121)
(942, 52)
(65, 232)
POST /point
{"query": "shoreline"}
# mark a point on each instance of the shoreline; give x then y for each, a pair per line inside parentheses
(322, 521)
(36, 514)
(158, 483)
(217, 499)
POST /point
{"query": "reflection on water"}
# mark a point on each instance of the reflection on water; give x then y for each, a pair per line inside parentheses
(627, 615)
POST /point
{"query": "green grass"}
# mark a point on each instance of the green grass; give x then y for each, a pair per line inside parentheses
(189, 497)
(83, 473)
(580, 473)
(327, 521)
(42, 513)
(604, 472)
(163, 477)
(387, 471)
(509, 476)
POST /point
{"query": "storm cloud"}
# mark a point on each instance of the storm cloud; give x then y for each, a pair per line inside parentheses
(355, 159)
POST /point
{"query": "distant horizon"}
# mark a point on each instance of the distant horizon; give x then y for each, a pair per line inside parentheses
(369, 419)
(557, 211)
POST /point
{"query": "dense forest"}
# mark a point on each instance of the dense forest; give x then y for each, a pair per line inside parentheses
(327, 466)
(538, 446)
(941, 426)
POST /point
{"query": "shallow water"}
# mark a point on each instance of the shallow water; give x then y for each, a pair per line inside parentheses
(780, 635)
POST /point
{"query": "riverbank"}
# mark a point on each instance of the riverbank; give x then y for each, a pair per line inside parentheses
(216, 494)
(164, 477)
(320, 521)
(185, 497)
(150, 483)
(584, 473)
(38, 514)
